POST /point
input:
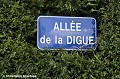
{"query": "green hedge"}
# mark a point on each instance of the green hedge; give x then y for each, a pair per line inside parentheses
(19, 54)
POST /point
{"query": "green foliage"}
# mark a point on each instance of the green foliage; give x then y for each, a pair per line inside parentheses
(20, 56)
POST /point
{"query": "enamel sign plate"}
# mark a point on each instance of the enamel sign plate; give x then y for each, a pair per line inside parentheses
(69, 33)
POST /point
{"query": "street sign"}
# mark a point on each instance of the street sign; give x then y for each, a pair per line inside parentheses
(69, 33)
